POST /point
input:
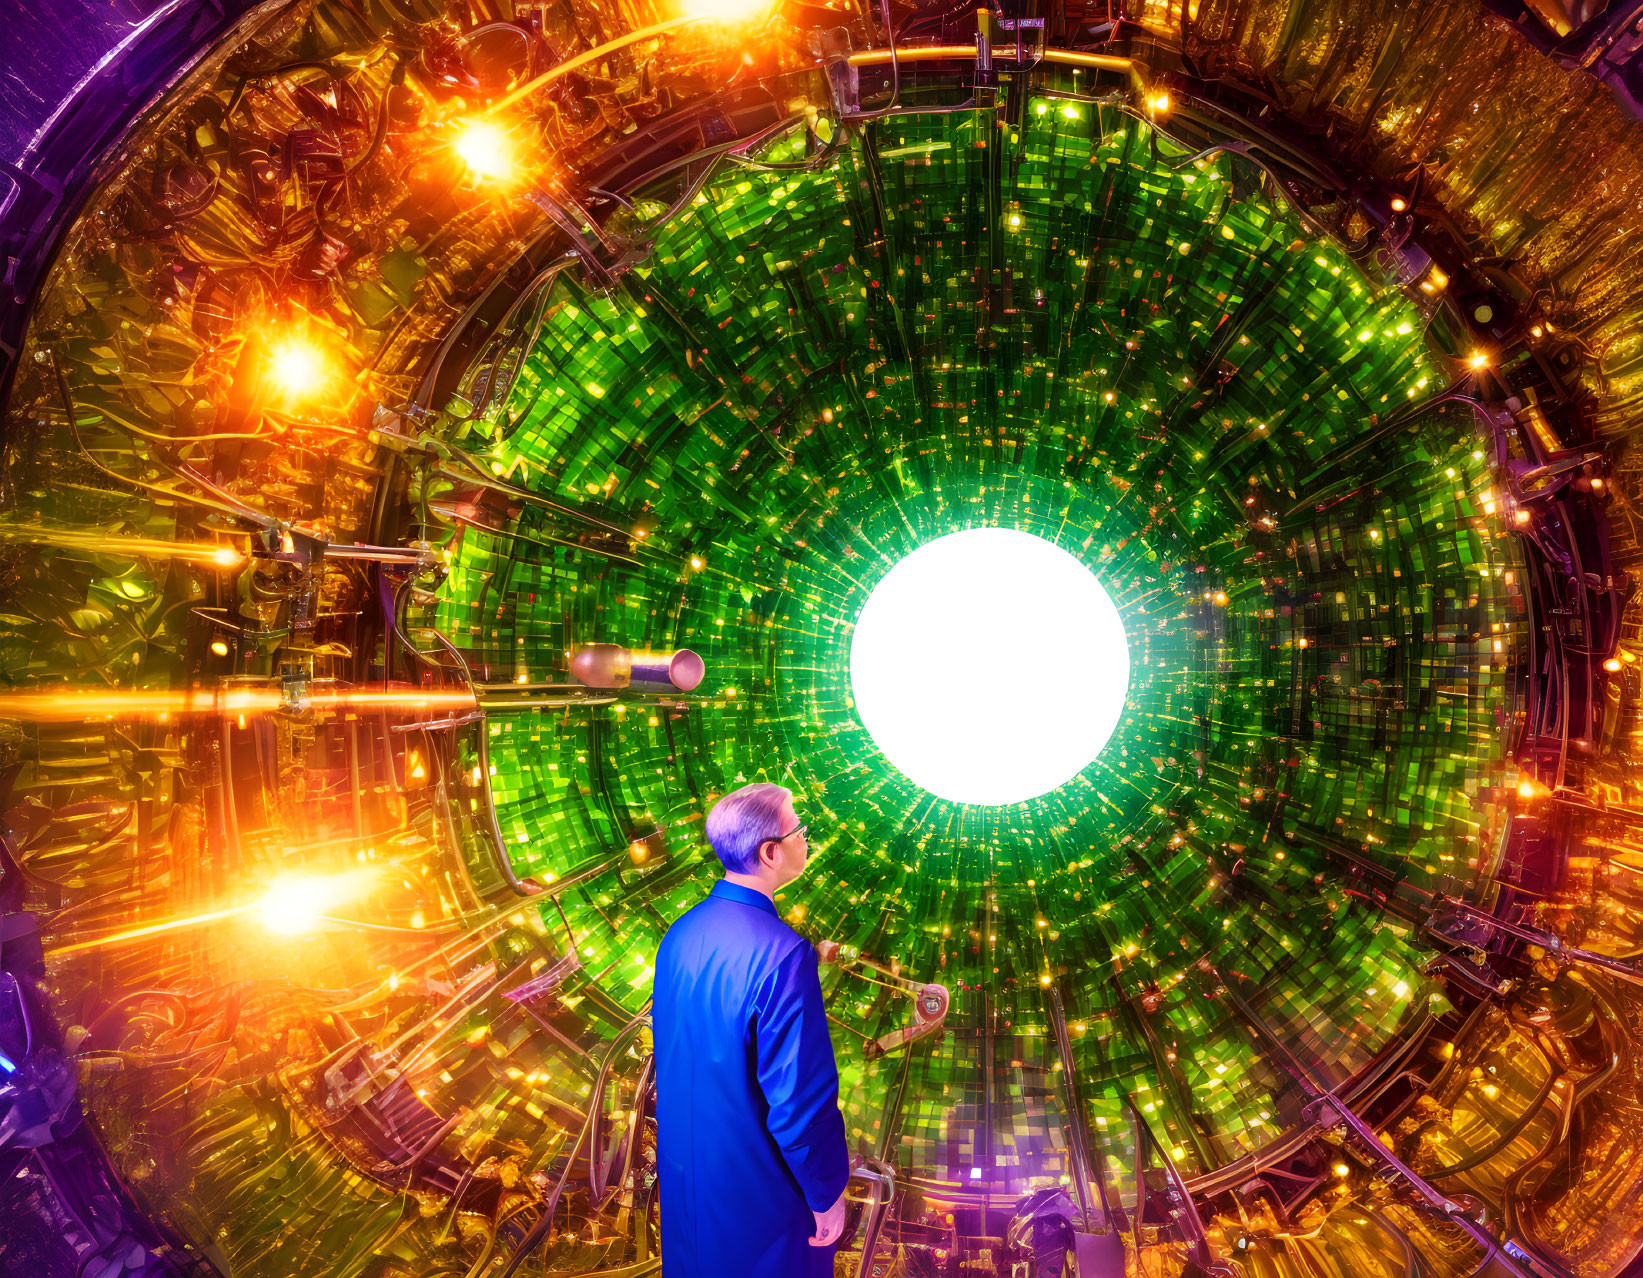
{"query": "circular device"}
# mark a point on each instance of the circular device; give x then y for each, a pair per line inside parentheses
(990, 666)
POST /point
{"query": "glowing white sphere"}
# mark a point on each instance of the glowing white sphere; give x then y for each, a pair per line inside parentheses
(990, 666)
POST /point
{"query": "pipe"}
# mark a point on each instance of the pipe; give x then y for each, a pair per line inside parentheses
(948, 52)
(1325, 1105)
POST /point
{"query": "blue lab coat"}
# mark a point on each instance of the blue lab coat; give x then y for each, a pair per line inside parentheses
(750, 1141)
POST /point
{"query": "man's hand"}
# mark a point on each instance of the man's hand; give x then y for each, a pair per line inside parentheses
(829, 1224)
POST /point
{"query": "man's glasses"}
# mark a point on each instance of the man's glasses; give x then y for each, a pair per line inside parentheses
(782, 838)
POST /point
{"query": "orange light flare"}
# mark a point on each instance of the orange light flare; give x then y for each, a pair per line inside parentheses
(1528, 788)
(301, 368)
(289, 906)
(485, 150)
(210, 553)
(727, 11)
(67, 705)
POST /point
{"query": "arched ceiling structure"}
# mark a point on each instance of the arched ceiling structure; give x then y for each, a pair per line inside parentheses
(400, 353)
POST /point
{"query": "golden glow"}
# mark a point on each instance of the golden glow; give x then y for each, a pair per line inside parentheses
(200, 552)
(1158, 103)
(1342, 1170)
(1399, 204)
(299, 368)
(1612, 665)
(483, 146)
(726, 10)
(1434, 282)
(219, 647)
(148, 929)
(296, 904)
(1478, 359)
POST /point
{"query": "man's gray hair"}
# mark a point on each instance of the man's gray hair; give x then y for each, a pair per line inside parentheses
(742, 820)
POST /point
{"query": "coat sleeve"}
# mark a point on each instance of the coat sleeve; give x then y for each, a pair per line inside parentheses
(800, 1078)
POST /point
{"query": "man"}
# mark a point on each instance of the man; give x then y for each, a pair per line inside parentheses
(750, 1142)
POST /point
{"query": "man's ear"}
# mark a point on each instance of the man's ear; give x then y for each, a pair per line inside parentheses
(768, 859)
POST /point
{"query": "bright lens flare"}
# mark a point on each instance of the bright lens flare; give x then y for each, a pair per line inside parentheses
(298, 368)
(484, 148)
(990, 666)
(727, 10)
(295, 905)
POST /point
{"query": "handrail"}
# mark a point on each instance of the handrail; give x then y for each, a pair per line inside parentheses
(881, 1177)
(1003, 53)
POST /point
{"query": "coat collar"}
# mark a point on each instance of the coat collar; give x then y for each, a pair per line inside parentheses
(728, 891)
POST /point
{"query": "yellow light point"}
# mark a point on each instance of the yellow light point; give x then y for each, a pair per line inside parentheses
(298, 367)
(1612, 665)
(1015, 219)
(227, 557)
(1399, 204)
(1220, 598)
(1109, 397)
(1520, 516)
(1434, 282)
(483, 146)
(1529, 788)
(1478, 359)
(695, 561)
(1342, 1170)
(1158, 103)
(219, 648)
